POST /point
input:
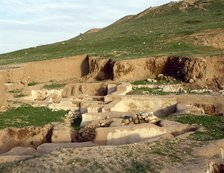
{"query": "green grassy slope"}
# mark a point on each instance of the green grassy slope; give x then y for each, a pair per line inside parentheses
(27, 115)
(158, 31)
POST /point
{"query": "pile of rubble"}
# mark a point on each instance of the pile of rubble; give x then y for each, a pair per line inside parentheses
(139, 118)
(88, 132)
(162, 77)
(165, 78)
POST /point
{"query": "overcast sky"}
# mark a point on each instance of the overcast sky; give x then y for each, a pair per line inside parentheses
(27, 23)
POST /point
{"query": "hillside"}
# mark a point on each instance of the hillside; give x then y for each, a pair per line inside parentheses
(178, 28)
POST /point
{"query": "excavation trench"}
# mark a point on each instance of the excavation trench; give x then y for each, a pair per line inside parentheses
(90, 96)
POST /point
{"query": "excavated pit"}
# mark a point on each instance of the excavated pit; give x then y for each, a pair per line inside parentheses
(108, 101)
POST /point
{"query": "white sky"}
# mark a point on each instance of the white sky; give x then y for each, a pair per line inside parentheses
(27, 23)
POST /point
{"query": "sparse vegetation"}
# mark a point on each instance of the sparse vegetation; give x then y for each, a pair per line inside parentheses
(32, 83)
(148, 91)
(54, 86)
(159, 82)
(214, 126)
(17, 93)
(154, 32)
(27, 115)
(138, 166)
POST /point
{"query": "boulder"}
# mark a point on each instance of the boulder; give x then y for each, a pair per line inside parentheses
(127, 134)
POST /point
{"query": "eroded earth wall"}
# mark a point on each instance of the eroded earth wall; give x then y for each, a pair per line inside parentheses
(204, 69)
(138, 69)
(43, 71)
(208, 69)
(2, 96)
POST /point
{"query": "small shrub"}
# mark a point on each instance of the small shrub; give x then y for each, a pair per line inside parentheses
(54, 86)
(191, 22)
(32, 83)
